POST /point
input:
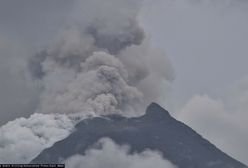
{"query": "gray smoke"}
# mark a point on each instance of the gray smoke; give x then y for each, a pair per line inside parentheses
(100, 63)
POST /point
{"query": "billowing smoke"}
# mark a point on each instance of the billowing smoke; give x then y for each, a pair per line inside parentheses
(112, 155)
(23, 139)
(101, 63)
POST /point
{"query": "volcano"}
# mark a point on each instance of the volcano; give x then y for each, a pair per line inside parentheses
(156, 130)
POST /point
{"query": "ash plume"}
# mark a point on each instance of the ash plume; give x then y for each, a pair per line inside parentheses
(101, 63)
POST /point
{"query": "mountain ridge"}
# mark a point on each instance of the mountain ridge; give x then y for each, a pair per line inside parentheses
(156, 130)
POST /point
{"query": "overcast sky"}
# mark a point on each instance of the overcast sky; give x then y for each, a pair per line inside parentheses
(207, 44)
(205, 40)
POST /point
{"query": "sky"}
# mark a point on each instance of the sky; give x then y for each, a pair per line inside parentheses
(204, 40)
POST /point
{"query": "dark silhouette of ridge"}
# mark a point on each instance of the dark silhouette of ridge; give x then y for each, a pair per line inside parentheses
(156, 130)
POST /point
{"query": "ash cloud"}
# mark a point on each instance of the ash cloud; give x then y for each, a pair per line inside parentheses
(101, 63)
(108, 154)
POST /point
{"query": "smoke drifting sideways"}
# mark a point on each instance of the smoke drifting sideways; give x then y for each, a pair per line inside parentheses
(101, 63)
(23, 139)
(113, 155)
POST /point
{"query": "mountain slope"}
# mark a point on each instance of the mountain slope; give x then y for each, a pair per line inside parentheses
(156, 130)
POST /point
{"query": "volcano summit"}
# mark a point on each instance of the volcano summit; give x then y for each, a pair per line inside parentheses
(156, 130)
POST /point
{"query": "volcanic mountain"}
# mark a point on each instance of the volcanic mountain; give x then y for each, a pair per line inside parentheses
(156, 130)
